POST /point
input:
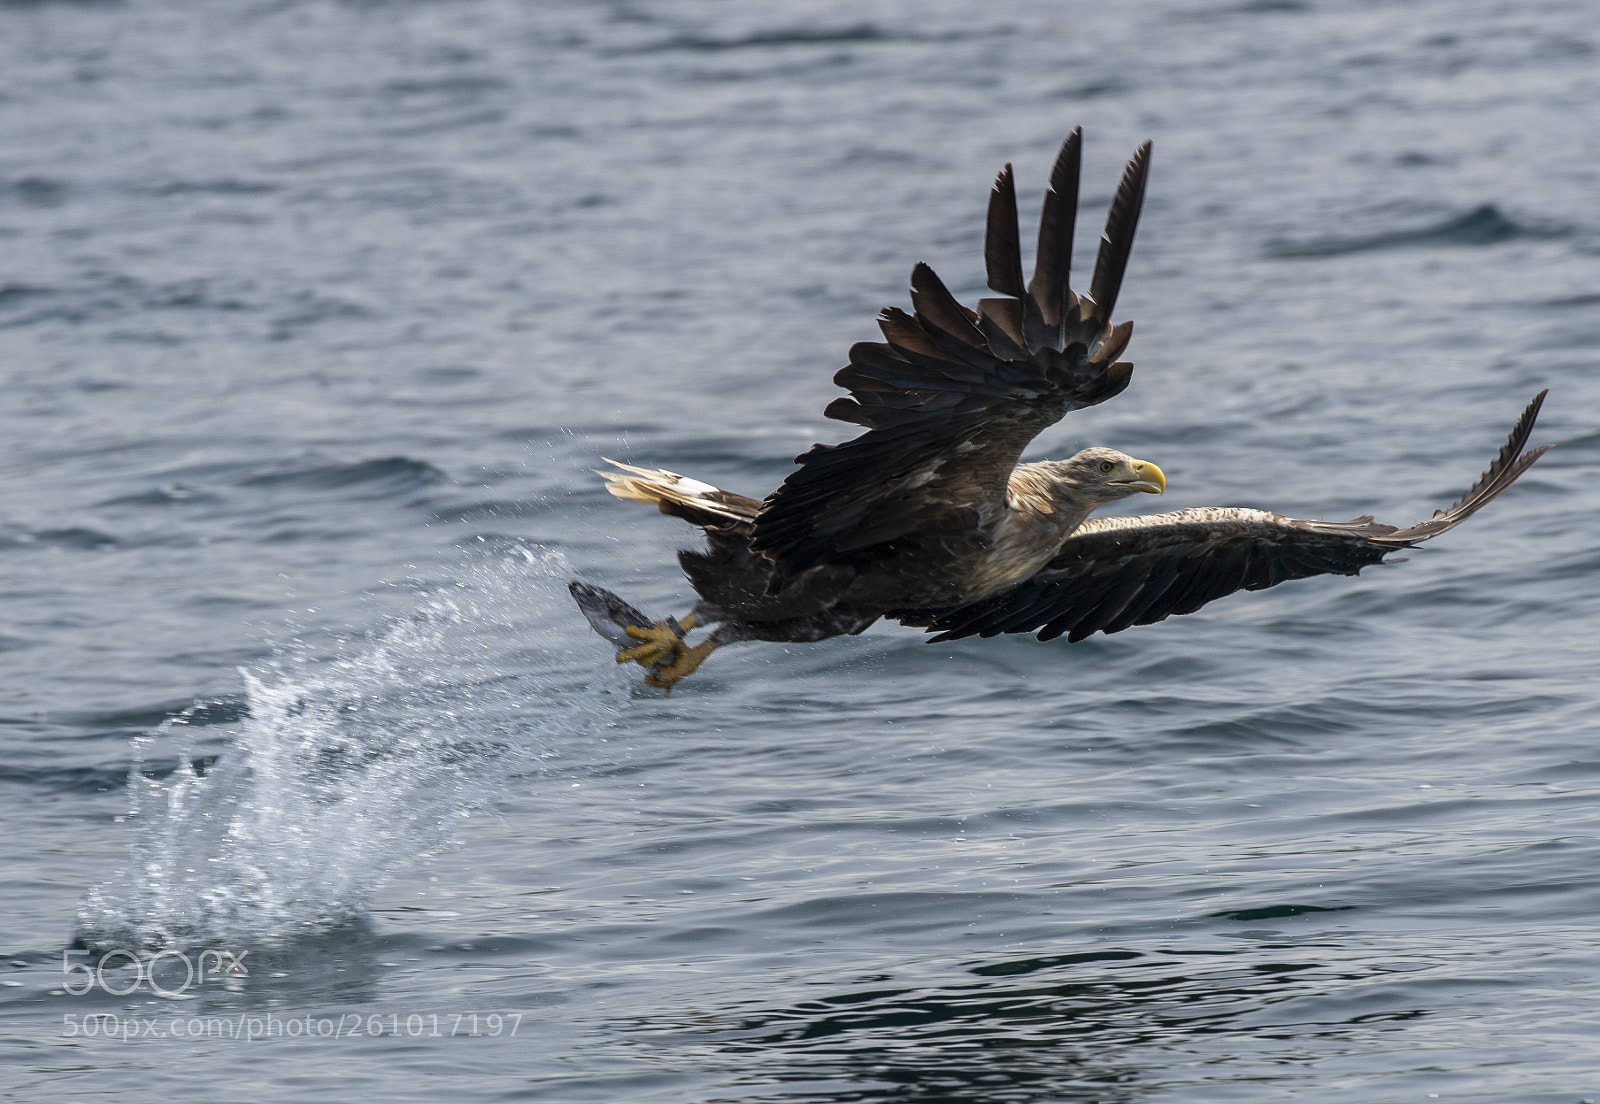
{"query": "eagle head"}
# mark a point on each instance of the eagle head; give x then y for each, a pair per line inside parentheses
(1101, 475)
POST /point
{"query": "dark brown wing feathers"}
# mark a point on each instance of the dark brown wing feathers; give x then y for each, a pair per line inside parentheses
(1116, 245)
(1113, 581)
(1053, 263)
(952, 396)
(1135, 571)
(1002, 252)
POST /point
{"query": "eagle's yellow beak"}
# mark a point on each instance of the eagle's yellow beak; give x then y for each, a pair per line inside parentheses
(1143, 476)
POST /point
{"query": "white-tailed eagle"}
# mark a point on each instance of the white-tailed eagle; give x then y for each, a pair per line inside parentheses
(928, 519)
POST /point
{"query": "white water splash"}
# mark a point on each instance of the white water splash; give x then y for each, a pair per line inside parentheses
(351, 763)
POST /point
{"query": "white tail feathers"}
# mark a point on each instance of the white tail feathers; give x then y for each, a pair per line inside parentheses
(657, 485)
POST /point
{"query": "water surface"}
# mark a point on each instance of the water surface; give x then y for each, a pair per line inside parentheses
(315, 318)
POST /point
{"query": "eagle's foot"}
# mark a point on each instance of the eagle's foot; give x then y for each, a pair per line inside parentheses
(662, 640)
(688, 659)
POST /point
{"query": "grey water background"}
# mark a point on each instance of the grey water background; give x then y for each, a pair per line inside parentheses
(314, 318)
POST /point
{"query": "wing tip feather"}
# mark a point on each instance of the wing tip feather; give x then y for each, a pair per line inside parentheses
(1513, 459)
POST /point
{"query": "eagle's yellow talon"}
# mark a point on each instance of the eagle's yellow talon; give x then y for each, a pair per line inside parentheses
(688, 659)
(644, 655)
(660, 641)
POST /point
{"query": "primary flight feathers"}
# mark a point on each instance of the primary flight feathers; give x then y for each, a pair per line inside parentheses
(952, 396)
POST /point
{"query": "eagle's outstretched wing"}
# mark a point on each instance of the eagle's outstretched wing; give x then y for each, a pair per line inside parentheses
(1120, 571)
(952, 397)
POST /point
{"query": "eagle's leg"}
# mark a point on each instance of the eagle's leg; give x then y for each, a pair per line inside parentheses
(663, 639)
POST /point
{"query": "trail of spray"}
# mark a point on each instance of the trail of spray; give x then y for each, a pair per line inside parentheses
(353, 761)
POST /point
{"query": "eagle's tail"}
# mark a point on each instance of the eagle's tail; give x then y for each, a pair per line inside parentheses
(678, 495)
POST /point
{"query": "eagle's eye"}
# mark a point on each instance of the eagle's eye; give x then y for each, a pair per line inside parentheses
(1106, 465)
